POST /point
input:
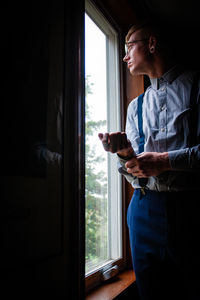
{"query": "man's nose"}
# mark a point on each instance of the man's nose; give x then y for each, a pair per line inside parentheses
(126, 58)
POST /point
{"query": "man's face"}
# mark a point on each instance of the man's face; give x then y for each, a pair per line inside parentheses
(137, 53)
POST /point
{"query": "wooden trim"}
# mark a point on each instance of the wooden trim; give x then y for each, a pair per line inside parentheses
(95, 279)
(112, 289)
(74, 136)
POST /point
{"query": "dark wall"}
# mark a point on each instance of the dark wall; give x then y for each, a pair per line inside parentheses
(42, 249)
(180, 23)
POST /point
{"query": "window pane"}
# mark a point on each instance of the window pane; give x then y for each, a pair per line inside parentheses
(96, 157)
(31, 162)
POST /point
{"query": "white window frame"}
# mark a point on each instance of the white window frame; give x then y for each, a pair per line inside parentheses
(116, 217)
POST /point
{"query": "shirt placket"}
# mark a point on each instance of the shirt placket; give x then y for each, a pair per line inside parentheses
(163, 117)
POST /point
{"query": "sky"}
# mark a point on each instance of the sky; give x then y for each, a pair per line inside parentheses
(95, 66)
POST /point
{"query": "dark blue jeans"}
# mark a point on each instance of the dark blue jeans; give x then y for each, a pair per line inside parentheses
(164, 236)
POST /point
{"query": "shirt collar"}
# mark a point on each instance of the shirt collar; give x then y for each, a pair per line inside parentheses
(169, 77)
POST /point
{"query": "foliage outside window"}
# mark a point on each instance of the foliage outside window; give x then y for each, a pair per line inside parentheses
(103, 215)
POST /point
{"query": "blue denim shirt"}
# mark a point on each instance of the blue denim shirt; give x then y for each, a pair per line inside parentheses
(166, 113)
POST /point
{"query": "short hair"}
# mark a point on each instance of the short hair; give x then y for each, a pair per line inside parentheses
(156, 28)
(147, 26)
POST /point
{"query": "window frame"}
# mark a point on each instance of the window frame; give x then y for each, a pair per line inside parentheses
(95, 13)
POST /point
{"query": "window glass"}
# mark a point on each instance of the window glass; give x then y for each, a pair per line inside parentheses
(96, 157)
(31, 163)
(103, 186)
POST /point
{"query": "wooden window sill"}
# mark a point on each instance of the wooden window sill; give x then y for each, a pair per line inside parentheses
(110, 290)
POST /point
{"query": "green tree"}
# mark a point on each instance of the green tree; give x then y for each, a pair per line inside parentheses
(96, 190)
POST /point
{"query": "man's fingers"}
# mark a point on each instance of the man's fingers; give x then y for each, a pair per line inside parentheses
(105, 140)
(118, 141)
(132, 163)
(104, 137)
(100, 135)
(115, 141)
(124, 141)
(133, 170)
(129, 143)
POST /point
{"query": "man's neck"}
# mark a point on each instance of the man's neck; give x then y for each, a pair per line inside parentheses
(159, 68)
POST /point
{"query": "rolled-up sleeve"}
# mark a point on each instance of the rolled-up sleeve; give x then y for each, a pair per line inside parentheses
(185, 159)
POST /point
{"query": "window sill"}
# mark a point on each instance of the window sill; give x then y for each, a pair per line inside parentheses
(110, 290)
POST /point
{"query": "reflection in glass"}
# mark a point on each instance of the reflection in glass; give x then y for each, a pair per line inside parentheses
(32, 118)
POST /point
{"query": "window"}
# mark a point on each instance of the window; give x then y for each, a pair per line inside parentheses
(103, 215)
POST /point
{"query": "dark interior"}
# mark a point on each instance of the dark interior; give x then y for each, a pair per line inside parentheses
(42, 55)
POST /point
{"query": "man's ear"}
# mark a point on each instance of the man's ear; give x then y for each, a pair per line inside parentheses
(152, 44)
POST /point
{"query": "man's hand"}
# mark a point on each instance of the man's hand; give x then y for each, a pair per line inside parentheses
(116, 142)
(148, 164)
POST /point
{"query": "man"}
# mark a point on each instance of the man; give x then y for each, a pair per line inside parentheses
(160, 156)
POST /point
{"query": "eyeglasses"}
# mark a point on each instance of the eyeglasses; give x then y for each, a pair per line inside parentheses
(128, 44)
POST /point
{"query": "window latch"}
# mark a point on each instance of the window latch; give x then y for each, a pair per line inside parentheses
(110, 273)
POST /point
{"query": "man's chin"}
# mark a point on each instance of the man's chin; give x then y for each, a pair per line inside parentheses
(135, 72)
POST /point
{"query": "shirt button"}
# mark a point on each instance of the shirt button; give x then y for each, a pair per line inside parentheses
(163, 129)
(163, 89)
(163, 107)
